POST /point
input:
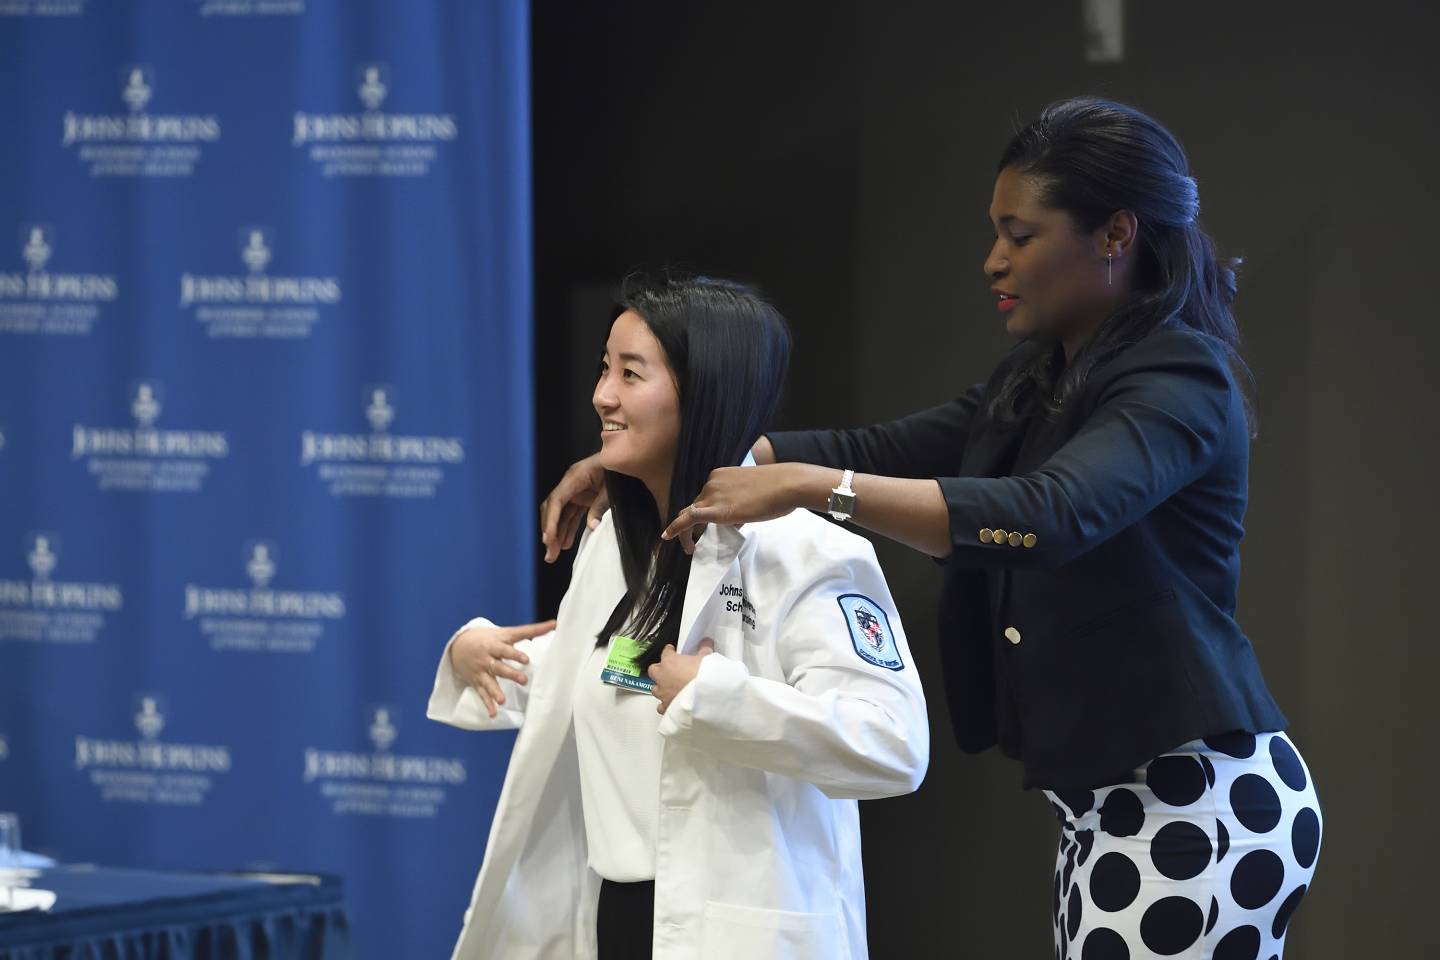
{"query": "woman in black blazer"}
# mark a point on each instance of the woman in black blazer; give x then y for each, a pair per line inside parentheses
(1087, 503)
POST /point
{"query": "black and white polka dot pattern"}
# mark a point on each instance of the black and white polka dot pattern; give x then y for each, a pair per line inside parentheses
(1205, 856)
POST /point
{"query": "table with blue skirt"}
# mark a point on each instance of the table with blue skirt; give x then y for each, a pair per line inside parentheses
(112, 914)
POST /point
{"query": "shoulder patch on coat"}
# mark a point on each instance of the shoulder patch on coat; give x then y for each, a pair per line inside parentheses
(870, 631)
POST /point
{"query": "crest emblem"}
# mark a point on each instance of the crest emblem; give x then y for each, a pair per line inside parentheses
(138, 91)
(149, 721)
(382, 730)
(37, 249)
(42, 555)
(870, 631)
(372, 87)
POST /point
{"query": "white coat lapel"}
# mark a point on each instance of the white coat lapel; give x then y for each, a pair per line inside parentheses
(716, 554)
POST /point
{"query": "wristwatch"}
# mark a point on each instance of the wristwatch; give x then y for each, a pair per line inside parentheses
(842, 498)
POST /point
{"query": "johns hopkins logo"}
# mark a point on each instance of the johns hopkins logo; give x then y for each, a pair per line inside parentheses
(33, 299)
(44, 609)
(382, 783)
(138, 143)
(252, 303)
(256, 250)
(371, 142)
(413, 465)
(261, 565)
(372, 125)
(382, 729)
(261, 618)
(379, 411)
(373, 84)
(150, 770)
(145, 403)
(147, 458)
(149, 720)
(42, 550)
(138, 89)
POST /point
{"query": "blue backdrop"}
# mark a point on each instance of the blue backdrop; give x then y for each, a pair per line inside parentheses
(265, 433)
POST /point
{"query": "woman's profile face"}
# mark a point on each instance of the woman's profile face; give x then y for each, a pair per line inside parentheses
(1049, 277)
(638, 403)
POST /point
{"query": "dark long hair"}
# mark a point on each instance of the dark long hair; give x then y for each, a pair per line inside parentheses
(1092, 158)
(728, 349)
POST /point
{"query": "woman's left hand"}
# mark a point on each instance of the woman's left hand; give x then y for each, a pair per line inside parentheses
(675, 670)
(736, 495)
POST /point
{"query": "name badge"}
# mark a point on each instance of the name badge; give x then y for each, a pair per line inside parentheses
(621, 669)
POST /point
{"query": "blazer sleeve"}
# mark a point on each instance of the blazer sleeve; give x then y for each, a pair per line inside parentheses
(852, 727)
(922, 444)
(1159, 423)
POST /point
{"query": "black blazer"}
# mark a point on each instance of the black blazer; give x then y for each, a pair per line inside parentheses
(1088, 615)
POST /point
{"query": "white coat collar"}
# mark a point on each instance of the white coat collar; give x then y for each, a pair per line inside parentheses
(715, 555)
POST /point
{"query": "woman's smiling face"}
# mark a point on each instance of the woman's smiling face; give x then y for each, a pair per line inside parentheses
(638, 403)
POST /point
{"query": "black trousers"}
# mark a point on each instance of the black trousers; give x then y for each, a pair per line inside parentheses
(625, 921)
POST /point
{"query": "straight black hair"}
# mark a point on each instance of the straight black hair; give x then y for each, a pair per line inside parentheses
(728, 349)
(1092, 158)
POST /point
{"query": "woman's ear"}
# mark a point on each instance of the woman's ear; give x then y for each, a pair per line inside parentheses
(1117, 235)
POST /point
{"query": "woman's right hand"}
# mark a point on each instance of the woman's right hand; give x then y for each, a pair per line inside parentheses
(578, 498)
(478, 655)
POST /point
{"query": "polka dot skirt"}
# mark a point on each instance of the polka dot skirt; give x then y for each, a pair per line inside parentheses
(1205, 856)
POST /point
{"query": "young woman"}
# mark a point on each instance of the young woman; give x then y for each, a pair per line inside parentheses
(1087, 500)
(694, 730)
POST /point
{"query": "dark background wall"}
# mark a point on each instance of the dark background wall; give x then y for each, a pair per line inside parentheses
(842, 154)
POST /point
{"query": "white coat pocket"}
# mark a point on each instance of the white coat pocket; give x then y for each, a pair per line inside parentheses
(729, 931)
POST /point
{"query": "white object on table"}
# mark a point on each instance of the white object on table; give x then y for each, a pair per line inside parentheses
(15, 899)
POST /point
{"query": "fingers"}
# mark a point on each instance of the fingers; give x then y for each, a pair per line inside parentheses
(551, 510)
(653, 672)
(685, 520)
(570, 524)
(578, 490)
(665, 655)
(550, 536)
(687, 526)
(561, 536)
(500, 670)
(508, 652)
(490, 692)
(528, 631)
(707, 647)
(598, 506)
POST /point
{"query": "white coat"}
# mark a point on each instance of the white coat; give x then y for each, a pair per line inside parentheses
(810, 702)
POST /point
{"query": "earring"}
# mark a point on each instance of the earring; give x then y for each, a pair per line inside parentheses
(1110, 269)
